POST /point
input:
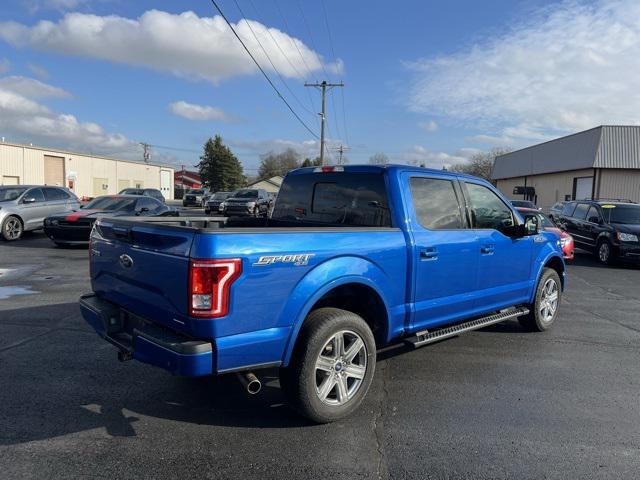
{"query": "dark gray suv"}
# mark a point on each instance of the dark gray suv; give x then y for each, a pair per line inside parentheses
(24, 207)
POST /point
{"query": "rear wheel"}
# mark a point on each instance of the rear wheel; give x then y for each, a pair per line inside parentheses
(332, 366)
(543, 312)
(12, 228)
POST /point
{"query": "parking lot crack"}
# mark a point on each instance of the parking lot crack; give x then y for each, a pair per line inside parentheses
(382, 471)
(26, 340)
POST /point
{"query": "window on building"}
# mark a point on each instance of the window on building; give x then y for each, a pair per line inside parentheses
(435, 203)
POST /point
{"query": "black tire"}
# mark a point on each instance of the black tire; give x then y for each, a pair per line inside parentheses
(12, 228)
(604, 252)
(535, 320)
(301, 380)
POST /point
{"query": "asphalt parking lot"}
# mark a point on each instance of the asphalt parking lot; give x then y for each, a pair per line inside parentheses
(496, 403)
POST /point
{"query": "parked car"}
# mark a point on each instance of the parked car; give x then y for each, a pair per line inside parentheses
(24, 207)
(608, 229)
(524, 204)
(556, 210)
(194, 197)
(247, 202)
(149, 192)
(215, 203)
(75, 227)
(353, 258)
(545, 222)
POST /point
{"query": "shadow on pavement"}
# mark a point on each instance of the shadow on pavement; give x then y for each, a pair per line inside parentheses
(59, 377)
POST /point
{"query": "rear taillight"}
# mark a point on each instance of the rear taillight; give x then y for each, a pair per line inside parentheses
(328, 169)
(210, 285)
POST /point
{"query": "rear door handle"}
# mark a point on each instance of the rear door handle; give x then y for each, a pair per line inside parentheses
(429, 253)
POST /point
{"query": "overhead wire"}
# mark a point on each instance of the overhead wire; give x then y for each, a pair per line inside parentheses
(273, 86)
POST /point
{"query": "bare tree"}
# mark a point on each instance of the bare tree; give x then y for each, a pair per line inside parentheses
(481, 163)
(378, 159)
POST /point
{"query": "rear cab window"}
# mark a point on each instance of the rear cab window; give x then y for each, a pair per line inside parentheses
(336, 198)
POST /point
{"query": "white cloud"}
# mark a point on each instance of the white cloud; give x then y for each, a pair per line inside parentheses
(430, 126)
(567, 68)
(183, 44)
(31, 88)
(38, 71)
(193, 111)
(26, 120)
(419, 155)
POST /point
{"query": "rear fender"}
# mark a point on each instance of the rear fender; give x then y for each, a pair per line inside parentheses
(322, 279)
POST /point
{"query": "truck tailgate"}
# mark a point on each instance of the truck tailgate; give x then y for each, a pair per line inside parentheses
(143, 268)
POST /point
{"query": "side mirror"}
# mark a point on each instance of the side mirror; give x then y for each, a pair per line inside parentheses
(531, 224)
(28, 200)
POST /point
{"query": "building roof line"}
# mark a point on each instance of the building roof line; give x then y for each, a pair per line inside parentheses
(557, 139)
(85, 154)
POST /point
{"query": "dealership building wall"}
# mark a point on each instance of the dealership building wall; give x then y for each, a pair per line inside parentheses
(86, 174)
(603, 162)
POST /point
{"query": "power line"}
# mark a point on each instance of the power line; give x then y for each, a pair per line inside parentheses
(344, 117)
(264, 50)
(286, 25)
(215, 4)
(313, 43)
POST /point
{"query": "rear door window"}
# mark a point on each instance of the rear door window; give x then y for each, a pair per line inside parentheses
(54, 194)
(336, 198)
(435, 203)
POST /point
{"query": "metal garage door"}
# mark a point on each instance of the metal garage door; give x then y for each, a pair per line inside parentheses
(54, 170)
(582, 188)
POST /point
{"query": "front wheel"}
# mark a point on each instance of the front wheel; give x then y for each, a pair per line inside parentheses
(604, 252)
(544, 310)
(12, 228)
(332, 365)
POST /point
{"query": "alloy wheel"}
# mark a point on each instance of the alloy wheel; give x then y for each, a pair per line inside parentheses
(604, 252)
(548, 300)
(13, 229)
(340, 368)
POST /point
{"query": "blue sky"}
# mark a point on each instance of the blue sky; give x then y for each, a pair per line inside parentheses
(426, 82)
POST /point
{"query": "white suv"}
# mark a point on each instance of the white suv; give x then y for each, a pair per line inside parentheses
(24, 207)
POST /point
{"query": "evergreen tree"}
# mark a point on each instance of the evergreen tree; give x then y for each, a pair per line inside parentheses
(219, 167)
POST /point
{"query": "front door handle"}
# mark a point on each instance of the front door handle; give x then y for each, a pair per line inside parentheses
(429, 253)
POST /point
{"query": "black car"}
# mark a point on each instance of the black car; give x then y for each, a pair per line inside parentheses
(253, 202)
(556, 210)
(149, 192)
(610, 229)
(75, 227)
(215, 203)
(194, 197)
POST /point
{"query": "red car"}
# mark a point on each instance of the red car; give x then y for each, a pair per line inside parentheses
(566, 240)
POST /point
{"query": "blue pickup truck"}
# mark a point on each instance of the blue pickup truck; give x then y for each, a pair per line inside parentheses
(353, 258)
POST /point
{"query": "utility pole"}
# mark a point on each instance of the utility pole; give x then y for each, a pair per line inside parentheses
(341, 149)
(323, 86)
(146, 155)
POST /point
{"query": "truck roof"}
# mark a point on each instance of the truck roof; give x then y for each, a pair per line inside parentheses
(390, 167)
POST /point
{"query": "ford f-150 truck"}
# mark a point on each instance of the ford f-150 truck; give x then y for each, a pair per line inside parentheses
(353, 258)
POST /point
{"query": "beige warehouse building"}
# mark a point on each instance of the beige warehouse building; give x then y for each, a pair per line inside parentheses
(86, 175)
(600, 163)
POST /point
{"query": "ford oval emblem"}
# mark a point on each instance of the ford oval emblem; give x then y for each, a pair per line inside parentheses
(126, 261)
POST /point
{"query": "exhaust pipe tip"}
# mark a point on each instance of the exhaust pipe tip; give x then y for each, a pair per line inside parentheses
(250, 382)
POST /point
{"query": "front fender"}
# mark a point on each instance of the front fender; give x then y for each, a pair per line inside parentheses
(322, 279)
(548, 252)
